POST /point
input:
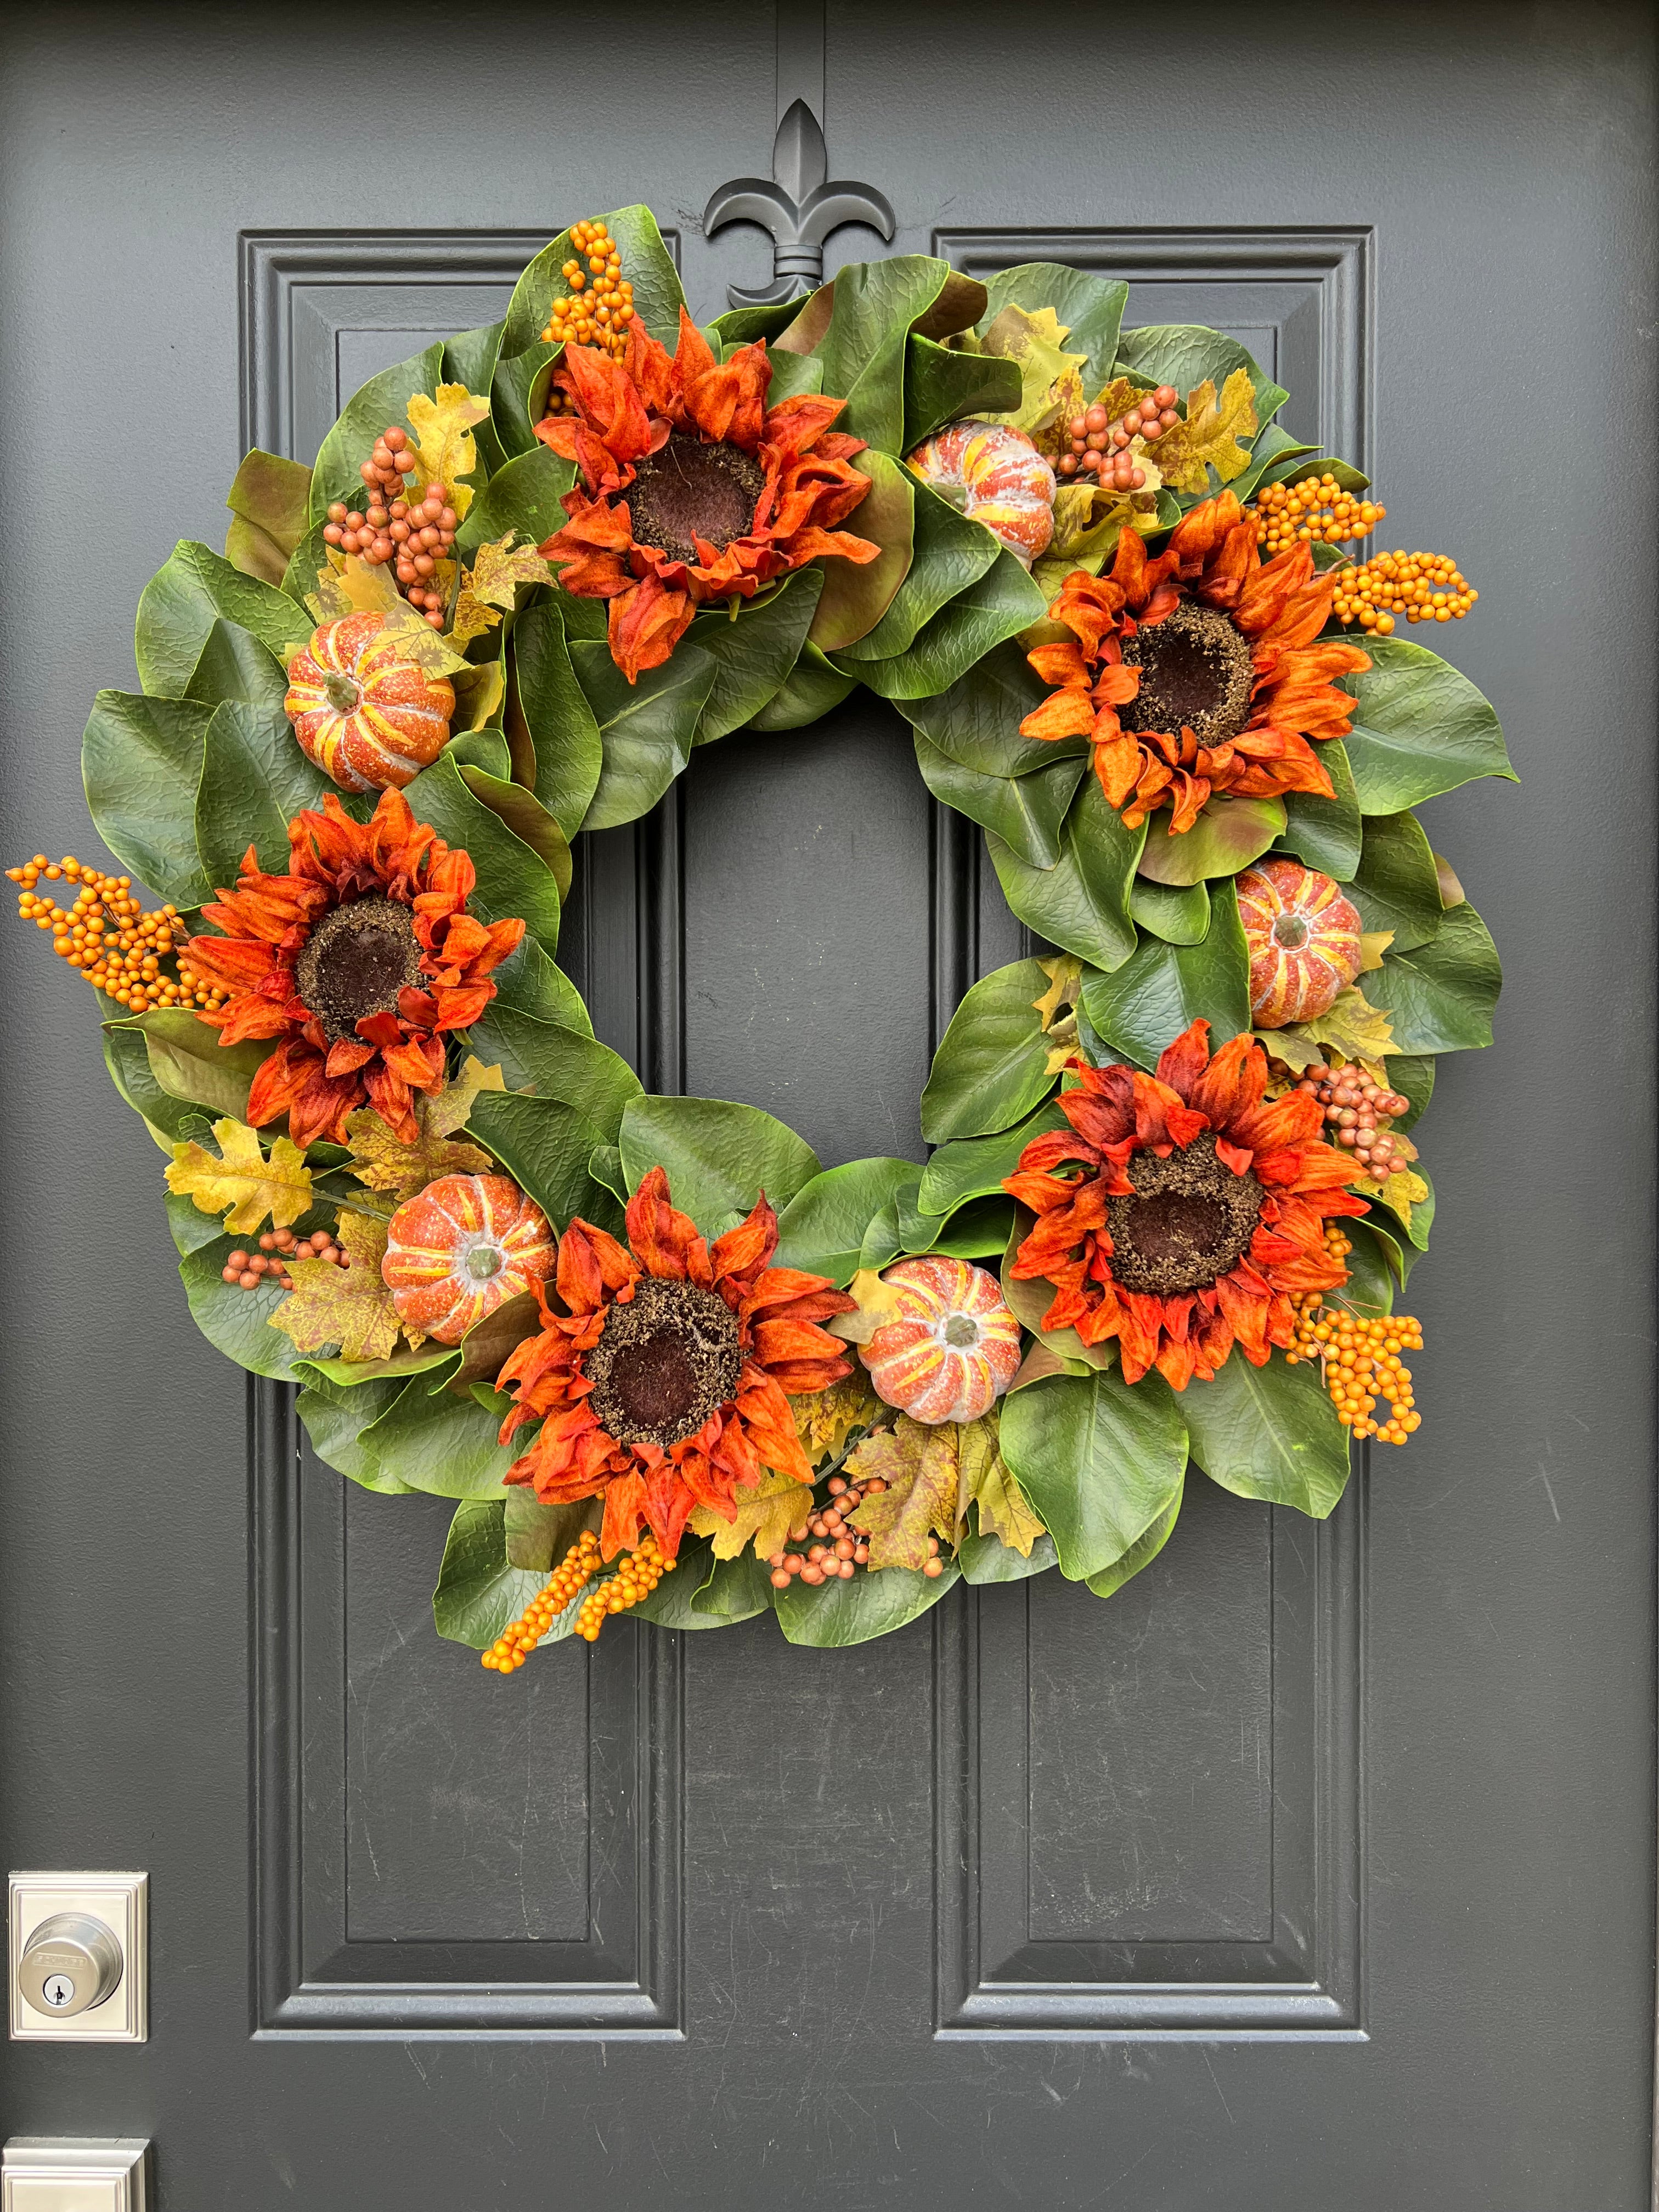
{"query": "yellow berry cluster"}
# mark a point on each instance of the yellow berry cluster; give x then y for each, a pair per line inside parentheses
(107, 935)
(1422, 586)
(1358, 1358)
(599, 306)
(641, 1570)
(580, 1565)
(1314, 510)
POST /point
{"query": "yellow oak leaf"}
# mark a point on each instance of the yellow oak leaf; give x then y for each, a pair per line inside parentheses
(768, 1516)
(351, 586)
(417, 639)
(1402, 1191)
(499, 568)
(447, 1111)
(446, 449)
(1350, 1025)
(1065, 974)
(1209, 436)
(875, 1303)
(471, 617)
(825, 1419)
(242, 1179)
(1373, 943)
(380, 1162)
(1051, 387)
(985, 1481)
(1089, 521)
(348, 1306)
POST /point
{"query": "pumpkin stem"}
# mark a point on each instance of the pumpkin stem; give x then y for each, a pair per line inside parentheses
(344, 695)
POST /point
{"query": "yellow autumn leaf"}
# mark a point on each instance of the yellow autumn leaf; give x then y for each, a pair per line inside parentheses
(447, 1111)
(1373, 943)
(1402, 1191)
(984, 1479)
(825, 1419)
(1352, 1026)
(351, 586)
(499, 568)
(1065, 974)
(921, 1469)
(242, 1179)
(875, 1303)
(471, 617)
(348, 1306)
(1051, 386)
(379, 1161)
(417, 639)
(769, 1515)
(446, 450)
(1209, 437)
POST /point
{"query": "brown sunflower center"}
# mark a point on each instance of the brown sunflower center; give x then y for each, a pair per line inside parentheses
(355, 962)
(1196, 671)
(665, 1361)
(1190, 1220)
(691, 490)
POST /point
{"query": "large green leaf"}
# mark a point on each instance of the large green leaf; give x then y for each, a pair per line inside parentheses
(1141, 1553)
(1397, 886)
(735, 1591)
(517, 396)
(234, 665)
(647, 262)
(269, 503)
(192, 590)
(1269, 1432)
(170, 1120)
(479, 1590)
(1326, 832)
(523, 813)
(1161, 989)
(1091, 307)
(876, 304)
(544, 1143)
(1101, 1461)
(857, 594)
(555, 1062)
(1441, 996)
(647, 729)
(141, 760)
(949, 553)
(1004, 602)
(1178, 913)
(1027, 813)
(523, 496)
(564, 737)
(514, 880)
(719, 1156)
(987, 1560)
(374, 407)
(336, 1418)
(237, 1321)
(992, 1065)
(436, 1441)
(754, 650)
(1420, 728)
(1082, 903)
(822, 1227)
(943, 386)
(976, 722)
(254, 778)
(1184, 354)
(528, 980)
(188, 1061)
(976, 1167)
(838, 1613)
(1228, 835)
(813, 688)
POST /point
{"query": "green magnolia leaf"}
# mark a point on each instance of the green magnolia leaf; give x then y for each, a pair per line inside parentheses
(1370, 1284)
(514, 880)
(141, 760)
(1027, 813)
(754, 652)
(270, 504)
(646, 730)
(823, 1228)
(876, 306)
(992, 1066)
(1141, 1553)
(528, 981)
(254, 778)
(170, 1120)
(838, 1613)
(1275, 456)
(943, 386)
(469, 358)
(984, 1558)
(188, 1061)
(736, 1589)
(336, 1418)
(1092, 307)
(1161, 989)
(1412, 1075)
(395, 1367)
(194, 588)
(479, 1590)
(813, 689)
(517, 396)
(976, 1167)
(1178, 913)
(1397, 886)
(1004, 602)
(858, 595)
(1440, 996)
(1325, 832)
(441, 1443)
(1269, 1432)
(523, 497)
(719, 1156)
(672, 1603)
(976, 722)
(377, 404)
(645, 260)
(1100, 1461)
(1420, 728)
(523, 813)
(237, 1321)
(949, 553)
(555, 1062)
(1081, 903)
(567, 751)
(1185, 354)
(234, 665)
(978, 1230)
(1228, 835)
(545, 1145)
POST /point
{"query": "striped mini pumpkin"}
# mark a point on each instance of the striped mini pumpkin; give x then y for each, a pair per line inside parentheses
(953, 1348)
(1302, 934)
(462, 1247)
(1006, 484)
(368, 718)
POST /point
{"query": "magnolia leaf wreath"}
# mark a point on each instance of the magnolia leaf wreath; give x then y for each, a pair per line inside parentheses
(665, 1361)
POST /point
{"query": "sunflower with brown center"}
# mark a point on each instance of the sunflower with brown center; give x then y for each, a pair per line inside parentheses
(692, 488)
(1180, 1211)
(359, 963)
(662, 1374)
(1195, 671)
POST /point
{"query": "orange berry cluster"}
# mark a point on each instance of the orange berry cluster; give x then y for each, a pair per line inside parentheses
(415, 533)
(1422, 586)
(843, 1546)
(515, 1645)
(1358, 1358)
(1360, 1112)
(599, 306)
(116, 946)
(1314, 510)
(640, 1572)
(1100, 447)
(247, 1270)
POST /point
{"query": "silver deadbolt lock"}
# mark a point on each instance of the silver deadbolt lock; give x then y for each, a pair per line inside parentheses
(71, 1961)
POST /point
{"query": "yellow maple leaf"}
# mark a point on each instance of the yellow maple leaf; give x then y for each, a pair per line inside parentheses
(379, 1161)
(242, 1179)
(1402, 1191)
(1209, 437)
(769, 1515)
(825, 1419)
(499, 568)
(471, 617)
(1051, 387)
(349, 1306)
(446, 450)
(1373, 943)
(875, 1303)
(984, 1479)
(447, 1110)
(920, 1467)
(351, 586)
(1352, 1026)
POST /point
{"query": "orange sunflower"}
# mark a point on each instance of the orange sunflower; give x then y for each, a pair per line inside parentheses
(1180, 1211)
(359, 961)
(661, 1385)
(1195, 671)
(695, 489)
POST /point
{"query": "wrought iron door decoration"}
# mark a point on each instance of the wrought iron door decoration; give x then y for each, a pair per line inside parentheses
(664, 1359)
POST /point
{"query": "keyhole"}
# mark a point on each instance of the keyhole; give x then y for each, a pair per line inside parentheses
(59, 1992)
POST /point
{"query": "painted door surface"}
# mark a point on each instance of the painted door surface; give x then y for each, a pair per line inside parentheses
(1316, 1868)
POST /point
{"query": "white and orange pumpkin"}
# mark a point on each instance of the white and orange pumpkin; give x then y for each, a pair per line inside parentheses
(462, 1247)
(1005, 483)
(368, 718)
(1302, 934)
(951, 1348)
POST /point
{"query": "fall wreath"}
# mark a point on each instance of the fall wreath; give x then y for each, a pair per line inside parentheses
(663, 1359)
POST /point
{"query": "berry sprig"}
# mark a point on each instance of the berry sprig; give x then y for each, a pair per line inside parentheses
(1358, 1358)
(106, 933)
(599, 305)
(1361, 1113)
(842, 1548)
(1101, 447)
(414, 532)
(637, 1576)
(1314, 510)
(277, 1247)
(1422, 586)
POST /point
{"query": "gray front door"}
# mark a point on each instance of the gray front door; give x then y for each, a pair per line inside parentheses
(1316, 1868)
